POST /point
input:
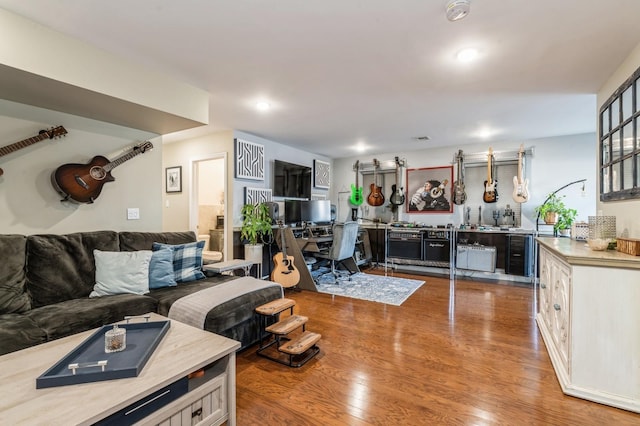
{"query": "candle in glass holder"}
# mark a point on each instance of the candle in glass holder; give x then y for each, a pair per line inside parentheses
(115, 340)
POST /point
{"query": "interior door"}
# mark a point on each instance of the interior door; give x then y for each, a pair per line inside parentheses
(209, 200)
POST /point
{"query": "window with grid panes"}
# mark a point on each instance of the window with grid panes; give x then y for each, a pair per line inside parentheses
(619, 144)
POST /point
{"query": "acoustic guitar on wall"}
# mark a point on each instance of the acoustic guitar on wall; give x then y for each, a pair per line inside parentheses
(83, 183)
(284, 271)
(520, 185)
(54, 132)
(376, 197)
(490, 185)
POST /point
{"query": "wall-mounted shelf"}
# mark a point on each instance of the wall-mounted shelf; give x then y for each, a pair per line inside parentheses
(386, 166)
(500, 158)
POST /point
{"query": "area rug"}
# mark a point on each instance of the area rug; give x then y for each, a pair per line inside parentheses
(376, 288)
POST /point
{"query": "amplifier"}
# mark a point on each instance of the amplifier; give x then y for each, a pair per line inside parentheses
(476, 258)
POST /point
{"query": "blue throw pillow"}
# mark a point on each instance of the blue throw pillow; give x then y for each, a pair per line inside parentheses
(187, 260)
(161, 269)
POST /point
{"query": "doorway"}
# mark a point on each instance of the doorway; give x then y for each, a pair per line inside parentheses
(209, 201)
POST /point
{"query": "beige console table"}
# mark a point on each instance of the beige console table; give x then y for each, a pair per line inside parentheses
(589, 318)
(183, 350)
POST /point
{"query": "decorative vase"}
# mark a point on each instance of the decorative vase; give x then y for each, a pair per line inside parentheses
(253, 252)
(564, 232)
(550, 218)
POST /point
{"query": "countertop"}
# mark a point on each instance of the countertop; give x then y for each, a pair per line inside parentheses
(578, 253)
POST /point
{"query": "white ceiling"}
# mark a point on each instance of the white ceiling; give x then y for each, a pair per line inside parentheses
(375, 72)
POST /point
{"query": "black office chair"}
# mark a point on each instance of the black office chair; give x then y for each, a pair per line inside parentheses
(342, 247)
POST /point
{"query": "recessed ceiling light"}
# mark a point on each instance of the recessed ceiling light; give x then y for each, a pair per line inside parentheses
(263, 106)
(467, 55)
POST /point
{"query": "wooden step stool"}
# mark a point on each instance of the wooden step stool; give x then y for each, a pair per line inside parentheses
(291, 352)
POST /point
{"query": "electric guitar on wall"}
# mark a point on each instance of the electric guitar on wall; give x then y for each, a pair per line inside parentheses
(54, 132)
(83, 182)
(375, 198)
(284, 271)
(459, 195)
(490, 185)
(356, 190)
(520, 185)
(397, 195)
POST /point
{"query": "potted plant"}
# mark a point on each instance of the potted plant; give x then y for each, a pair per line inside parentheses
(566, 216)
(256, 224)
(550, 209)
(554, 212)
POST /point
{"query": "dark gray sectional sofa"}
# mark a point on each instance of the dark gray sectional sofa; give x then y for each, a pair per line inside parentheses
(45, 282)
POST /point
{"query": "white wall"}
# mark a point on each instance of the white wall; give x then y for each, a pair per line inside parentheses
(272, 151)
(626, 211)
(184, 153)
(556, 162)
(30, 205)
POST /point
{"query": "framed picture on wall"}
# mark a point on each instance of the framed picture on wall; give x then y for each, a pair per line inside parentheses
(429, 190)
(173, 179)
(321, 174)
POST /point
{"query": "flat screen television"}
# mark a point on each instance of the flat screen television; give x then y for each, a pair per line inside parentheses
(316, 211)
(292, 211)
(291, 180)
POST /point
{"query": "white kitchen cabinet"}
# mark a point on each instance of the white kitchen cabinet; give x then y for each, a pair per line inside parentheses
(589, 318)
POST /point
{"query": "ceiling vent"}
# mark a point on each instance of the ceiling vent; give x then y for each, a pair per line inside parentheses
(458, 9)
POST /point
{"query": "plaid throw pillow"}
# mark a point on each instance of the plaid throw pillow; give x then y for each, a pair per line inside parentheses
(187, 260)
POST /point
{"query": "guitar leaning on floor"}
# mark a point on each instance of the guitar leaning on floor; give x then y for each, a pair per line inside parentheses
(520, 185)
(52, 133)
(397, 195)
(490, 185)
(459, 194)
(83, 182)
(284, 271)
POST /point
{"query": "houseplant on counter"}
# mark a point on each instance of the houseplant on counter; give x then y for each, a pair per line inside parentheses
(256, 226)
(549, 210)
(554, 212)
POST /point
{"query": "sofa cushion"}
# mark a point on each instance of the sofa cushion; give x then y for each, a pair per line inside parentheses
(74, 316)
(161, 269)
(19, 332)
(13, 297)
(187, 260)
(61, 267)
(131, 241)
(119, 272)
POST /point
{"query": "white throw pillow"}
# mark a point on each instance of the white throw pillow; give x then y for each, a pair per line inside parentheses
(120, 272)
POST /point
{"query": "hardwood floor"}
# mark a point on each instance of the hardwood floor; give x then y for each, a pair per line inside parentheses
(478, 361)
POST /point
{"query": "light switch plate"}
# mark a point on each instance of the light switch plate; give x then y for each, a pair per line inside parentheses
(133, 213)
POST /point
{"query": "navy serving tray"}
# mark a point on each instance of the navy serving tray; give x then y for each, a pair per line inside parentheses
(142, 340)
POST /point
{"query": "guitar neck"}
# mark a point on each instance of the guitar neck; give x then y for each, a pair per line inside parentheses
(126, 157)
(6, 150)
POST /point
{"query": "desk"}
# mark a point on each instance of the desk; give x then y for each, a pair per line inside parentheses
(314, 244)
